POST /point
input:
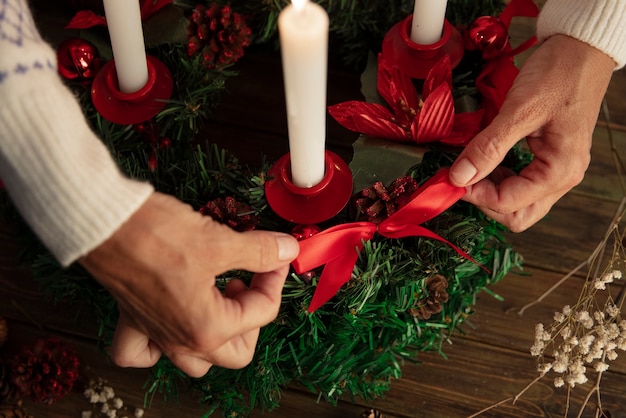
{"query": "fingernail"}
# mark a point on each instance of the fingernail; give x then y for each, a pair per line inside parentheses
(288, 247)
(462, 172)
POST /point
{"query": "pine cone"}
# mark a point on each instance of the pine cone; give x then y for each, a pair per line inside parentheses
(371, 413)
(7, 389)
(46, 371)
(436, 288)
(14, 411)
(4, 331)
(237, 215)
(378, 202)
(217, 34)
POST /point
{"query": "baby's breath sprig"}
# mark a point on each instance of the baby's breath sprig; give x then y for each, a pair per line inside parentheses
(585, 337)
(105, 403)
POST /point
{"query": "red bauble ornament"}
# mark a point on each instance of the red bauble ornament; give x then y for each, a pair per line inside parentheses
(487, 34)
(301, 232)
(78, 59)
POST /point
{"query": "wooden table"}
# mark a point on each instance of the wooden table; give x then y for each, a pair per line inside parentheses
(488, 363)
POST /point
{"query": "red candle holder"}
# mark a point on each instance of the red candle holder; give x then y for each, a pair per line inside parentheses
(309, 205)
(416, 60)
(131, 108)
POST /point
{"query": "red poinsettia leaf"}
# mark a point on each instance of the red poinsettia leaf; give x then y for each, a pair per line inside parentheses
(525, 8)
(439, 74)
(149, 7)
(436, 118)
(370, 119)
(466, 126)
(86, 19)
(397, 89)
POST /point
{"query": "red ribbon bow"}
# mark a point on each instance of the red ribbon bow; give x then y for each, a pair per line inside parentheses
(338, 247)
(498, 75)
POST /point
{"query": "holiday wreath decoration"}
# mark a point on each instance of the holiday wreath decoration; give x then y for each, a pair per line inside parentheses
(399, 294)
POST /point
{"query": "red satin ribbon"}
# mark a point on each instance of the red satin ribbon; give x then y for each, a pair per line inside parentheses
(338, 247)
(498, 75)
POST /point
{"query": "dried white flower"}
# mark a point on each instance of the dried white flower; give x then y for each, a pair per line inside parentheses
(138, 413)
(559, 382)
(567, 310)
(537, 348)
(108, 392)
(544, 368)
(600, 367)
(617, 274)
(559, 317)
(117, 403)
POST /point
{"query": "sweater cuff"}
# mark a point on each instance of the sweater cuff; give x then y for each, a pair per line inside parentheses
(59, 175)
(601, 24)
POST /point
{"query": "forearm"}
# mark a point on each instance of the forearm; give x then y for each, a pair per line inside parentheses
(599, 23)
(59, 175)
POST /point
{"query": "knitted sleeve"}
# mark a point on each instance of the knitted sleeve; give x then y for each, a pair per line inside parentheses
(59, 175)
(600, 23)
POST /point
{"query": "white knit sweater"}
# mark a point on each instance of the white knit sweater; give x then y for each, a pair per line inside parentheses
(600, 23)
(58, 173)
(64, 181)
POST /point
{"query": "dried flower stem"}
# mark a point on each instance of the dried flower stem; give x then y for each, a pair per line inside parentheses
(619, 213)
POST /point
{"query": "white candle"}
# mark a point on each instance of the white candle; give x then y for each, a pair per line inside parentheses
(124, 23)
(428, 18)
(303, 29)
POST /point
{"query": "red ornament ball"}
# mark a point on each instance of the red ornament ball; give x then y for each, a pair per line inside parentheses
(488, 34)
(301, 232)
(78, 59)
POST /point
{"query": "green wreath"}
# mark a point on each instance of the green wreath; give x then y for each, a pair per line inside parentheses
(406, 295)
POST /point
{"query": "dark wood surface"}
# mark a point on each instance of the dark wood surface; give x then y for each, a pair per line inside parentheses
(486, 364)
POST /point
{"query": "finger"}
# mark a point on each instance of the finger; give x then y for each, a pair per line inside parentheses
(132, 348)
(254, 307)
(506, 192)
(524, 218)
(255, 251)
(237, 352)
(488, 149)
(192, 365)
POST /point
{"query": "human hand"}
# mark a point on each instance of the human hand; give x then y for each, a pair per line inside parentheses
(161, 265)
(554, 103)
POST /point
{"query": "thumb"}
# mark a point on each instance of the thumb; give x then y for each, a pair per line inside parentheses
(263, 251)
(488, 149)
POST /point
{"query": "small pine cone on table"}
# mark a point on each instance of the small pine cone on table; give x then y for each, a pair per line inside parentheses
(14, 411)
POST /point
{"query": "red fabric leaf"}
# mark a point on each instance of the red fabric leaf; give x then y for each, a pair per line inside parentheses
(439, 74)
(398, 91)
(466, 126)
(149, 7)
(370, 119)
(86, 19)
(436, 118)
